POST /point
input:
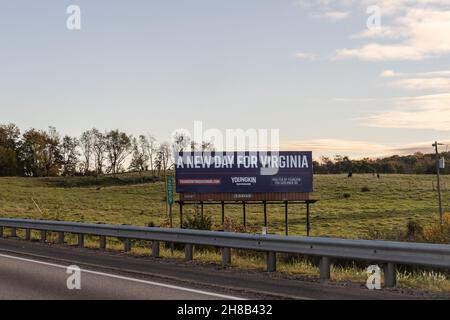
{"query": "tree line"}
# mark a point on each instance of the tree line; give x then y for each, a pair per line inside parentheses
(417, 163)
(43, 153)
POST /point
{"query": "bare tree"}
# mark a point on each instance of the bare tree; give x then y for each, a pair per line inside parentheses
(139, 159)
(162, 161)
(204, 146)
(99, 149)
(207, 146)
(180, 142)
(152, 148)
(194, 145)
(52, 155)
(118, 146)
(69, 152)
(86, 144)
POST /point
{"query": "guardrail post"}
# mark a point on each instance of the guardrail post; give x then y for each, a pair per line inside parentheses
(226, 257)
(155, 249)
(126, 245)
(188, 252)
(13, 233)
(81, 240)
(390, 275)
(325, 266)
(43, 235)
(1, 231)
(271, 261)
(60, 237)
(102, 242)
(28, 234)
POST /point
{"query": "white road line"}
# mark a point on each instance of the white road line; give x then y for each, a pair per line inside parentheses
(212, 294)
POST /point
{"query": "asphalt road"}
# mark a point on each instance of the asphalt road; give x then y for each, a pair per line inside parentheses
(33, 270)
(24, 279)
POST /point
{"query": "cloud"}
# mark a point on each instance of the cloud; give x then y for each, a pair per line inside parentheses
(437, 81)
(439, 73)
(352, 99)
(434, 84)
(379, 52)
(326, 9)
(416, 29)
(335, 15)
(421, 32)
(388, 74)
(356, 148)
(422, 112)
(305, 55)
(387, 32)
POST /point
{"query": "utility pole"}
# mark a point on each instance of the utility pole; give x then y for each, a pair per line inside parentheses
(164, 163)
(441, 213)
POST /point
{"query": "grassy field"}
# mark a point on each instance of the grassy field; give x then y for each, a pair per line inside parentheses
(343, 210)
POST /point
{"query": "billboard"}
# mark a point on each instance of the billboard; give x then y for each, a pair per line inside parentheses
(244, 172)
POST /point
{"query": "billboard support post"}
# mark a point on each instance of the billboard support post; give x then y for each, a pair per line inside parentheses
(181, 214)
(265, 213)
(244, 217)
(244, 204)
(286, 217)
(308, 223)
(201, 208)
(223, 213)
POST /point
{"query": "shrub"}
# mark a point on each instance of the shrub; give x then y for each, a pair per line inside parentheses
(413, 232)
(231, 226)
(395, 235)
(438, 233)
(365, 189)
(198, 221)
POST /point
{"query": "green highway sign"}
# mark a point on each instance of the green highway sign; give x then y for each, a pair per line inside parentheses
(169, 190)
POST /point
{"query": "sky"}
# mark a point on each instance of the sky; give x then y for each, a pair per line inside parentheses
(330, 75)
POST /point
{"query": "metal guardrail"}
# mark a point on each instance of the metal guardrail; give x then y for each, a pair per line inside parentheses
(388, 253)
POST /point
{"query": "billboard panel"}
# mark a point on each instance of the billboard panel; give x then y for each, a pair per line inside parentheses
(244, 172)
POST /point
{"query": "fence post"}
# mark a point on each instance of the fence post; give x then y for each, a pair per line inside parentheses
(188, 252)
(28, 234)
(390, 275)
(126, 245)
(155, 249)
(43, 235)
(325, 266)
(226, 257)
(60, 237)
(13, 233)
(1, 231)
(81, 240)
(102, 242)
(271, 261)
